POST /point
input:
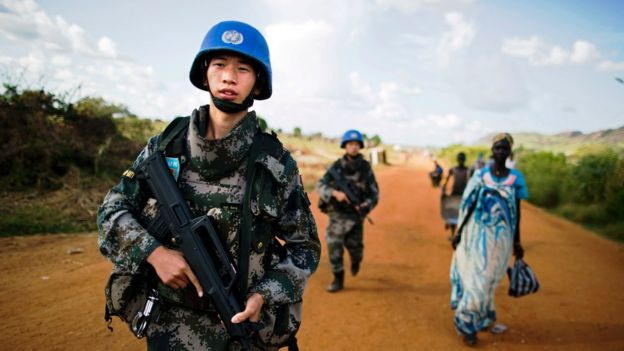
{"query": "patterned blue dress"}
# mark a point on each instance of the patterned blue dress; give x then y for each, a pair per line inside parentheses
(480, 260)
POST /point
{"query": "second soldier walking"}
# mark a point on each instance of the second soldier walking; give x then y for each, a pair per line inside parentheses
(348, 192)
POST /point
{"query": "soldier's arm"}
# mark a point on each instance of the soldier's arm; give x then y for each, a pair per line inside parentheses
(324, 188)
(372, 197)
(285, 280)
(121, 238)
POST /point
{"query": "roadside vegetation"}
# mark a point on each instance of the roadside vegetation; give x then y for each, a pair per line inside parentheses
(586, 187)
(58, 158)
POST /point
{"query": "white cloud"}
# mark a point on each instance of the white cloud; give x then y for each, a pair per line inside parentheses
(389, 104)
(439, 129)
(347, 12)
(448, 121)
(61, 60)
(26, 21)
(522, 47)
(361, 88)
(31, 65)
(64, 57)
(303, 57)
(539, 53)
(583, 52)
(460, 35)
(107, 47)
(386, 103)
(33, 62)
(489, 83)
(63, 74)
(411, 6)
(610, 66)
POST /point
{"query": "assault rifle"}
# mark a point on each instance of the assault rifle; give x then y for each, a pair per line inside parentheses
(200, 245)
(343, 185)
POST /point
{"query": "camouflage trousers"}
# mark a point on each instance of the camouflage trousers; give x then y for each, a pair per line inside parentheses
(181, 329)
(344, 232)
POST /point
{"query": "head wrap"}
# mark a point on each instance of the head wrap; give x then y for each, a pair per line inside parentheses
(503, 136)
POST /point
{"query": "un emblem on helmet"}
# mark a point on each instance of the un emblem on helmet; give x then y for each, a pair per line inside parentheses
(232, 37)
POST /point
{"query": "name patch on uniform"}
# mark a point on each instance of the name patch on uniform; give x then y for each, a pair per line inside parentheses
(128, 174)
(174, 166)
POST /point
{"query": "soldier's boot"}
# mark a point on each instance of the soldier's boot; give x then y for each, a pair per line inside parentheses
(337, 284)
(355, 268)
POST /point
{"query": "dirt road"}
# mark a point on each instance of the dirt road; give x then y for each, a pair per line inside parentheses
(53, 300)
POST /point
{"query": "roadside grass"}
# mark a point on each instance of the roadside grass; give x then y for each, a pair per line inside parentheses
(39, 218)
(70, 209)
(593, 217)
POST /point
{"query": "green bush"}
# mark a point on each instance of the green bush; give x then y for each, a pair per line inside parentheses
(614, 231)
(40, 219)
(587, 214)
(544, 172)
(614, 195)
(43, 136)
(588, 178)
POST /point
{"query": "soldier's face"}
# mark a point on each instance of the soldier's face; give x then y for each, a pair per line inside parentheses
(231, 77)
(352, 148)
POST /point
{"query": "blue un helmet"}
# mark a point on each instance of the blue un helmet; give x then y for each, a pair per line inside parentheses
(240, 38)
(352, 135)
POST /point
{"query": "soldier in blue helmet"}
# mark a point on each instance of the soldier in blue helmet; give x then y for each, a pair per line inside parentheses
(348, 192)
(248, 185)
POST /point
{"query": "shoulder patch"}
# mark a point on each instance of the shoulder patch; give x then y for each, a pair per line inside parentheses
(174, 166)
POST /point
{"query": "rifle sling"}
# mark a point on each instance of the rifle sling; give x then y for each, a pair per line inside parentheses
(170, 133)
(246, 218)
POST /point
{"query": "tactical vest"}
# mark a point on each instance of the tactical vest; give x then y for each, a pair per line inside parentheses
(172, 142)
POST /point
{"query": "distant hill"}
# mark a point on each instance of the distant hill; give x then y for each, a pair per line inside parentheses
(566, 142)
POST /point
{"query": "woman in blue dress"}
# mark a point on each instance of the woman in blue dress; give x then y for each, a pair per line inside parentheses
(490, 213)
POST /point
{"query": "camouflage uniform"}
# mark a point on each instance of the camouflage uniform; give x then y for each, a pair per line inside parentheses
(346, 225)
(213, 182)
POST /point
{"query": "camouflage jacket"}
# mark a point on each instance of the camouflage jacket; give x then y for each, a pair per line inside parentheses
(213, 182)
(359, 174)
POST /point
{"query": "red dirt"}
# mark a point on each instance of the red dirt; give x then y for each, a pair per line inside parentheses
(52, 300)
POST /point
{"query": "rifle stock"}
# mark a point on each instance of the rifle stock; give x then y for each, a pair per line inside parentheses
(200, 245)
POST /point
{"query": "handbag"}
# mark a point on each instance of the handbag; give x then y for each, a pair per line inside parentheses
(522, 279)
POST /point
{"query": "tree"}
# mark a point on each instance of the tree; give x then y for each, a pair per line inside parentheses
(375, 140)
(297, 132)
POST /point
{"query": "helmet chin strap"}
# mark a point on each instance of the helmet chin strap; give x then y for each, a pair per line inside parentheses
(232, 107)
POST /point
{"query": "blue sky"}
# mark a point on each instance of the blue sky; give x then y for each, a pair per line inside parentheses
(418, 72)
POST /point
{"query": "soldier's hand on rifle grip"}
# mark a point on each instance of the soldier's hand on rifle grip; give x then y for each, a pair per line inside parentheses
(253, 307)
(340, 196)
(173, 270)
